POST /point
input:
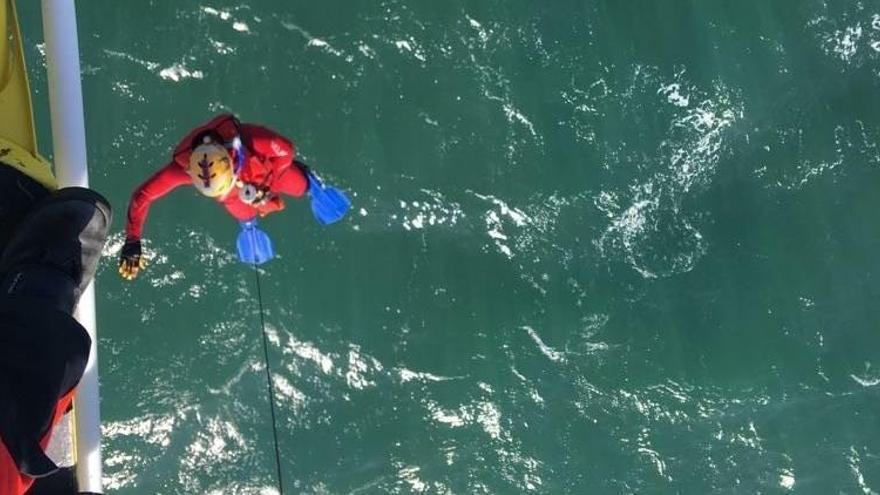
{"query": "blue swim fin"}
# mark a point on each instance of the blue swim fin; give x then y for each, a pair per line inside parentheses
(328, 203)
(254, 245)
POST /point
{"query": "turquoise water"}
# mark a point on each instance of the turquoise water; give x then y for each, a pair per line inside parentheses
(596, 247)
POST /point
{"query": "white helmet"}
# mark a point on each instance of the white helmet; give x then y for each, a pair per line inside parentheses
(210, 168)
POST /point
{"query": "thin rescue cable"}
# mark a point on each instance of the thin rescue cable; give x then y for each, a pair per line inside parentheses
(269, 381)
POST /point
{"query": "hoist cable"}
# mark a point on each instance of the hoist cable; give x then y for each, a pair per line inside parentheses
(269, 381)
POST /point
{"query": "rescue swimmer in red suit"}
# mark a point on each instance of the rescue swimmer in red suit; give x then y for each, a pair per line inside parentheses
(244, 167)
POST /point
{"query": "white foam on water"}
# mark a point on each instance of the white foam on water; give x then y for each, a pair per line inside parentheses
(546, 350)
(786, 479)
(125, 89)
(496, 87)
(122, 467)
(153, 429)
(511, 112)
(689, 155)
(222, 48)
(226, 388)
(195, 291)
(453, 419)
(359, 371)
(435, 211)
(407, 375)
(533, 392)
(206, 250)
(484, 414)
(536, 397)
(116, 474)
(494, 222)
(219, 442)
(673, 95)
(531, 480)
(287, 390)
(514, 115)
(411, 46)
(489, 417)
(113, 246)
(149, 65)
(496, 219)
(674, 390)
(846, 43)
(841, 41)
(222, 14)
(240, 489)
(519, 469)
(655, 458)
(809, 170)
(585, 108)
(226, 15)
(866, 382)
(410, 474)
(855, 462)
(367, 51)
(178, 72)
(868, 378)
(359, 367)
(606, 202)
(627, 229)
(428, 120)
(493, 229)
(694, 162)
(272, 335)
(844, 145)
(312, 41)
(482, 33)
(310, 352)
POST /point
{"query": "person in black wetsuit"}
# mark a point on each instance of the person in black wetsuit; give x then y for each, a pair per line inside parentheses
(50, 243)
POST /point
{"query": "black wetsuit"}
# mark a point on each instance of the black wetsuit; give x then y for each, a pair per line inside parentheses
(50, 243)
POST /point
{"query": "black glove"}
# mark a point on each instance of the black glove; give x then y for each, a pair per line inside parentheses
(131, 260)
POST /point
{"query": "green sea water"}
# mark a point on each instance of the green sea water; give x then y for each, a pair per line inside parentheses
(595, 246)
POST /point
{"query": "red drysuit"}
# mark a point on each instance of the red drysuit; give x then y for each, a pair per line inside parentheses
(268, 165)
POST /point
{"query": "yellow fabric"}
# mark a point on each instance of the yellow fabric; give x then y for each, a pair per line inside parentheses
(18, 140)
(16, 120)
(35, 167)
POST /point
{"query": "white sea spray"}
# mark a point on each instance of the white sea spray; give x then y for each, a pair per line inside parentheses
(178, 72)
(407, 375)
(641, 232)
(432, 210)
(552, 354)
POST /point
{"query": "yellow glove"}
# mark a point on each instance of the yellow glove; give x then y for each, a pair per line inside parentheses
(131, 260)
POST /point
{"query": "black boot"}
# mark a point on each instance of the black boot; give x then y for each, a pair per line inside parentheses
(54, 252)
